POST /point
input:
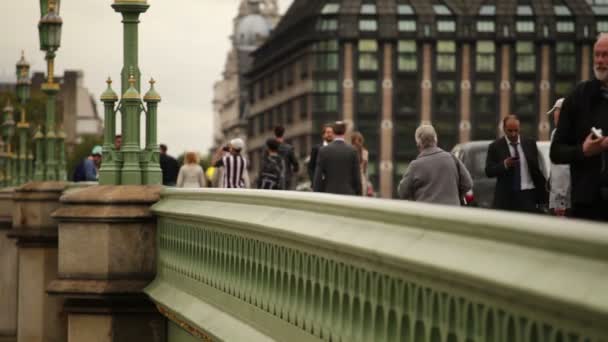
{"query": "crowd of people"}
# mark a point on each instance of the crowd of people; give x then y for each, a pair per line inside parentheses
(577, 183)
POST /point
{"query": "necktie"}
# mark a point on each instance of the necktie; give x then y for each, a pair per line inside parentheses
(516, 170)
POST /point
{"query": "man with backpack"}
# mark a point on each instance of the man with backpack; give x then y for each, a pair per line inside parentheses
(272, 172)
(86, 170)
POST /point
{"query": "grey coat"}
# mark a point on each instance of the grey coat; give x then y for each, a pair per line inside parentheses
(337, 170)
(433, 178)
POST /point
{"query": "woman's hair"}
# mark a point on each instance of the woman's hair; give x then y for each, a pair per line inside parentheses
(357, 136)
(191, 158)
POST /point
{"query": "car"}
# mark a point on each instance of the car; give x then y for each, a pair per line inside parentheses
(473, 155)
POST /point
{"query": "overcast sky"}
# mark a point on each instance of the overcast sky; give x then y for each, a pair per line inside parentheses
(183, 45)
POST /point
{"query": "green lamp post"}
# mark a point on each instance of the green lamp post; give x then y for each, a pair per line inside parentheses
(8, 131)
(2, 162)
(131, 165)
(49, 29)
(23, 127)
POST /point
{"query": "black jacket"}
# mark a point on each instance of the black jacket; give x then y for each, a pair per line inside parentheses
(170, 169)
(498, 151)
(581, 111)
(337, 170)
(312, 163)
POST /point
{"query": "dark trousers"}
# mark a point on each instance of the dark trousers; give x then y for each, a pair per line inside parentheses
(597, 211)
(524, 201)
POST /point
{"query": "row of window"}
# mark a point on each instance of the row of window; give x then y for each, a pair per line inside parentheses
(282, 115)
(280, 79)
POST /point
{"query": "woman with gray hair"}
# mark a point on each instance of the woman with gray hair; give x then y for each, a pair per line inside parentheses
(435, 176)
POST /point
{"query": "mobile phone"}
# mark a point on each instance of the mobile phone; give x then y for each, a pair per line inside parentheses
(597, 132)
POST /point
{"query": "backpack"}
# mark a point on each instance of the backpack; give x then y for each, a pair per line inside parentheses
(272, 175)
(79, 174)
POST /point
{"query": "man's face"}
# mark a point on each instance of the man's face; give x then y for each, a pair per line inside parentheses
(97, 159)
(117, 142)
(556, 113)
(512, 130)
(600, 60)
(328, 134)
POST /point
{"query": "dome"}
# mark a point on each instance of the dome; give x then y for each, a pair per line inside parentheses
(251, 31)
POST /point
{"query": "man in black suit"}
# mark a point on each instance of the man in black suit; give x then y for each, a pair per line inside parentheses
(337, 170)
(328, 136)
(514, 161)
(575, 144)
(286, 152)
(169, 166)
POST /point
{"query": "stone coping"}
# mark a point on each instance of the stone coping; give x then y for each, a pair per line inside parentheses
(80, 288)
(113, 194)
(47, 186)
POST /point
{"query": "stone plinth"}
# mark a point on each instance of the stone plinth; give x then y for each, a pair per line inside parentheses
(40, 317)
(107, 255)
(8, 269)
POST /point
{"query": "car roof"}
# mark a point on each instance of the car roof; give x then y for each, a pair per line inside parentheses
(473, 145)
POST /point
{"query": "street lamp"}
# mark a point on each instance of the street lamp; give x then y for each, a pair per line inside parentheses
(23, 94)
(8, 131)
(49, 28)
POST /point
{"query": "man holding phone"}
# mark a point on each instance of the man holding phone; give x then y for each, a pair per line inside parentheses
(514, 161)
(579, 139)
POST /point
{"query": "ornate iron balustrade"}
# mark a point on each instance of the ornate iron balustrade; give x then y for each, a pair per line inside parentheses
(296, 266)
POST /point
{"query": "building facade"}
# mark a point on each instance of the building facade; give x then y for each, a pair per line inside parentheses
(385, 66)
(252, 26)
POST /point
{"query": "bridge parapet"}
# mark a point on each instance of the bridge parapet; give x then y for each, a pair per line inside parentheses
(254, 265)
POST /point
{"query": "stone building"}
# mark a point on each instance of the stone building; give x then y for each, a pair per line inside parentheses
(385, 66)
(252, 25)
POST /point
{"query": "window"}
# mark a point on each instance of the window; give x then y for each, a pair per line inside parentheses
(326, 86)
(405, 10)
(304, 68)
(441, 10)
(487, 10)
(524, 26)
(525, 107)
(330, 8)
(368, 96)
(326, 99)
(326, 55)
(304, 107)
(289, 71)
(602, 26)
(446, 56)
(562, 10)
(446, 26)
(563, 89)
(407, 25)
(485, 97)
(565, 26)
(525, 61)
(486, 26)
(485, 59)
(369, 25)
(525, 10)
(484, 118)
(407, 58)
(327, 24)
(368, 55)
(368, 9)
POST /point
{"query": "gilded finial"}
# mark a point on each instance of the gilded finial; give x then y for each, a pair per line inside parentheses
(109, 81)
(152, 82)
(132, 81)
(52, 5)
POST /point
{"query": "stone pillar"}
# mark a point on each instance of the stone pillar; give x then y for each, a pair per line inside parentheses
(348, 95)
(427, 83)
(8, 270)
(386, 129)
(545, 93)
(112, 228)
(505, 84)
(40, 317)
(465, 95)
(586, 63)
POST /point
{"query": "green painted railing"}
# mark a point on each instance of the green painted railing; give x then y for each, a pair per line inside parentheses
(253, 265)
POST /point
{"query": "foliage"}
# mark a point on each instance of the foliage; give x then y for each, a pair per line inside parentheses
(81, 151)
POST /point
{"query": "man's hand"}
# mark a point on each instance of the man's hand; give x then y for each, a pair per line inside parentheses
(511, 162)
(594, 146)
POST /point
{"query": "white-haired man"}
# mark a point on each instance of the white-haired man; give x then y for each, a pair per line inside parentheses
(574, 142)
(436, 176)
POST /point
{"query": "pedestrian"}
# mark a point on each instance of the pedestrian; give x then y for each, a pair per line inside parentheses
(513, 160)
(117, 142)
(337, 169)
(169, 166)
(574, 142)
(234, 175)
(435, 176)
(328, 136)
(358, 142)
(272, 173)
(286, 152)
(191, 174)
(88, 169)
(559, 175)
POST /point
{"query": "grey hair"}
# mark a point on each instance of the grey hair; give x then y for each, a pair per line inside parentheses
(426, 136)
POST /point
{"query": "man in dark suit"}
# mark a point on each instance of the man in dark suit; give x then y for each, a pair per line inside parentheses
(169, 166)
(514, 161)
(575, 144)
(286, 152)
(337, 170)
(328, 136)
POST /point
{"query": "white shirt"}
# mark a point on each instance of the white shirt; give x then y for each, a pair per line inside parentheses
(559, 178)
(526, 178)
